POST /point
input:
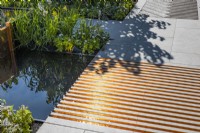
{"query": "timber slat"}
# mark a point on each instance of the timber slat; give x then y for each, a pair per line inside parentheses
(138, 97)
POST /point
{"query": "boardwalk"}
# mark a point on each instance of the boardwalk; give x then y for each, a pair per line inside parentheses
(134, 97)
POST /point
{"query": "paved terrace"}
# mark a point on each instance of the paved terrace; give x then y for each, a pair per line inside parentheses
(155, 40)
(159, 93)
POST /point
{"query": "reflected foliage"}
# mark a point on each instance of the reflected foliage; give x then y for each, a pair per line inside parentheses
(3, 44)
(52, 73)
(5, 59)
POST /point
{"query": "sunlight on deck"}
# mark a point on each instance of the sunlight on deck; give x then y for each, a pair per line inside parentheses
(134, 96)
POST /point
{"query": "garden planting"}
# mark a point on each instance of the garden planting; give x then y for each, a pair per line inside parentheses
(63, 26)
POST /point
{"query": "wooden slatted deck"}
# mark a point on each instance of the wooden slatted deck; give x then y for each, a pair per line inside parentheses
(137, 97)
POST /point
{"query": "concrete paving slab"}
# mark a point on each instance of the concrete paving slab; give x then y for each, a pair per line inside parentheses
(152, 27)
(160, 27)
(184, 23)
(111, 26)
(91, 132)
(124, 41)
(165, 20)
(165, 44)
(84, 126)
(117, 52)
(138, 28)
(54, 128)
(138, 31)
(142, 30)
(136, 10)
(144, 51)
(186, 9)
(125, 29)
(151, 34)
(186, 41)
(186, 59)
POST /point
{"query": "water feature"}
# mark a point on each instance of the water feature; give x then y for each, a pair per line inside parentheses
(41, 80)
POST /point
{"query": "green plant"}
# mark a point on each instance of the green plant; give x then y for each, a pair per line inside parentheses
(22, 27)
(64, 43)
(2, 19)
(93, 13)
(67, 20)
(50, 28)
(14, 122)
(87, 8)
(34, 26)
(42, 26)
(7, 3)
(20, 3)
(85, 36)
(105, 9)
(119, 14)
(91, 37)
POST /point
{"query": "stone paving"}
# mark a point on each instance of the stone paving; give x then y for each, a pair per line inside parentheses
(155, 40)
(180, 9)
(141, 39)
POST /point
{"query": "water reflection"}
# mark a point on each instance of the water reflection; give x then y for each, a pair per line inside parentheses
(7, 62)
(42, 79)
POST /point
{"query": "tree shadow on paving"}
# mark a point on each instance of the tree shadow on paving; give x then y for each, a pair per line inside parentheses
(134, 40)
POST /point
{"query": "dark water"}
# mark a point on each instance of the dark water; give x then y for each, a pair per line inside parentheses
(41, 80)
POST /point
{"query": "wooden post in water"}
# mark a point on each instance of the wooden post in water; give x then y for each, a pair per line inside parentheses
(10, 46)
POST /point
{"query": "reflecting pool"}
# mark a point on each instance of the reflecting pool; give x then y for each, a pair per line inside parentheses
(41, 79)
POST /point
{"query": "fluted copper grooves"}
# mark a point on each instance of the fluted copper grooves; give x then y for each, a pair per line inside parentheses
(132, 96)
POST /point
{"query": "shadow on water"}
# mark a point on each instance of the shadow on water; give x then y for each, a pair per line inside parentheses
(42, 80)
(137, 39)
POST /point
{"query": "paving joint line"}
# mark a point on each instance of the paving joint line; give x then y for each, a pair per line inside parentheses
(173, 40)
(70, 127)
